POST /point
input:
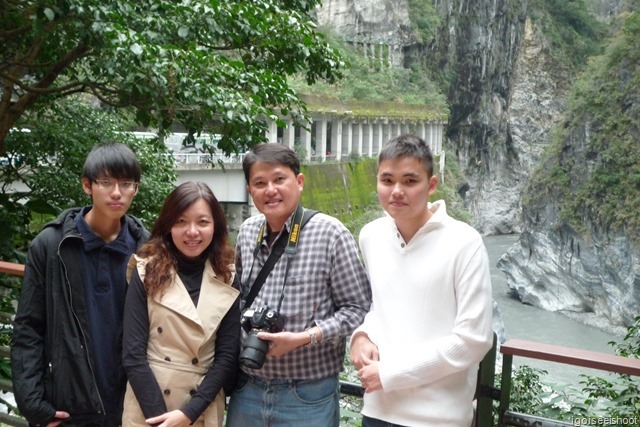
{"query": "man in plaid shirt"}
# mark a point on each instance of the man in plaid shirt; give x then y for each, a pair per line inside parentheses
(322, 292)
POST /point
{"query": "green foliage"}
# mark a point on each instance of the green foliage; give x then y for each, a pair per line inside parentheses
(350, 406)
(526, 389)
(424, 20)
(300, 150)
(573, 30)
(349, 191)
(342, 190)
(611, 396)
(362, 82)
(52, 153)
(203, 63)
(448, 190)
(619, 395)
(593, 165)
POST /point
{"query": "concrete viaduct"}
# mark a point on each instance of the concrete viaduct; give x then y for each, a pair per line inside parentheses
(331, 137)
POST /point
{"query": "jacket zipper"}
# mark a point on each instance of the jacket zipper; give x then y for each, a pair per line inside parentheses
(84, 335)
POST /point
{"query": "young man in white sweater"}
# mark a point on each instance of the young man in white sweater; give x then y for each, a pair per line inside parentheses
(430, 323)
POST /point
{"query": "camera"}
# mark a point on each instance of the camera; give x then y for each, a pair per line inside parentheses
(261, 319)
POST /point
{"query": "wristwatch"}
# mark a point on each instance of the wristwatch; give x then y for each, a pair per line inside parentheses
(313, 336)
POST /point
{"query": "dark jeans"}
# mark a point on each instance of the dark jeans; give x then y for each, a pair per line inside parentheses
(257, 402)
(374, 422)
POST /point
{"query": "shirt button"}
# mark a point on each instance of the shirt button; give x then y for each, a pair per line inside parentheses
(402, 245)
(168, 359)
(192, 392)
(167, 392)
(194, 361)
(159, 329)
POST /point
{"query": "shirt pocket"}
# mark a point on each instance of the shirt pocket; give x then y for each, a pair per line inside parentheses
(303, 297)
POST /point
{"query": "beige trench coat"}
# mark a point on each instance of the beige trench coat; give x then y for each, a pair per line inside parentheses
(182, 343)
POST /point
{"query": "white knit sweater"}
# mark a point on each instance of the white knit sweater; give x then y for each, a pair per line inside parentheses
(431, 319)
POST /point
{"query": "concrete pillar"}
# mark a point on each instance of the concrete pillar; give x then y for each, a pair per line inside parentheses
(358, 139)
(379, 137)
(305, 141)
(336, 138)
(347, 138)
(369, 140)
(395, 129)
(321, 139)
(431, 138)
(422, 130)
(272, 131)
(387, 133)
(289, 134)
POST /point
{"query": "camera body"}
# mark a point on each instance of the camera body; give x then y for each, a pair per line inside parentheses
(261, 319)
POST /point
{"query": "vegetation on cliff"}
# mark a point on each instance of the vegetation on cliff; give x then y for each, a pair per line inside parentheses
(592, 168)
(372, 87)
(571, 28)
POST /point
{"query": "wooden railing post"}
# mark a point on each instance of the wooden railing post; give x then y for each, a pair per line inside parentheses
(505, 386)
(486, 392)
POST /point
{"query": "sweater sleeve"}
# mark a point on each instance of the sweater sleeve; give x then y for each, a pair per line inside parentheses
(466, 344)
(134, 345)
(224, 367)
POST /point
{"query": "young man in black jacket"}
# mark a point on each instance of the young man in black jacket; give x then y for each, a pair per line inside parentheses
(66, 351)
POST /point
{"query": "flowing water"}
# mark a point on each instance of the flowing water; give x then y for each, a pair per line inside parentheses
(530, 323)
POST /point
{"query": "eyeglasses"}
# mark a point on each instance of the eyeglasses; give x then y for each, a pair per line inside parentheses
(124, 186)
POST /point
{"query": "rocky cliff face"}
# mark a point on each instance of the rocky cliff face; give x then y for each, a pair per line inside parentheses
(502, 103)
(370, 23)
(554, 267)
(583, 256)
(506, 95)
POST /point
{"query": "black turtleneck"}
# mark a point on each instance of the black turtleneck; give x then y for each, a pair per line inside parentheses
(190, 272)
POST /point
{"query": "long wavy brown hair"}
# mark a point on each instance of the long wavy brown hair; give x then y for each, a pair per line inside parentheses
(160, 249)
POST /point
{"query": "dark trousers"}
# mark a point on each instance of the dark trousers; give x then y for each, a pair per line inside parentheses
(374, 422)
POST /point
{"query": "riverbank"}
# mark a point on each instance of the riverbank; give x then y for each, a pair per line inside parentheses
(595, 321)
(522, 321)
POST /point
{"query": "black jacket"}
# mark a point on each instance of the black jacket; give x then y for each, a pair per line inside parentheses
(50, 358)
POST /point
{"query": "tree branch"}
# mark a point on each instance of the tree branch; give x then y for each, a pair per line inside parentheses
(12, 34)
(41, 90)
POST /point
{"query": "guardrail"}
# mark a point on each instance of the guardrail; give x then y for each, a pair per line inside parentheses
(204, 158)
(557, 354)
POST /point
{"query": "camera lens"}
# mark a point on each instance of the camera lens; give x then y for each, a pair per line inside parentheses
(254, 352)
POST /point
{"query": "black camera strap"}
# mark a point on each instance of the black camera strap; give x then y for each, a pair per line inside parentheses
(282, 245)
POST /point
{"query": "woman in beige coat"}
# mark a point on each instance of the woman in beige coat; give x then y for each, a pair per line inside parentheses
(181, 319)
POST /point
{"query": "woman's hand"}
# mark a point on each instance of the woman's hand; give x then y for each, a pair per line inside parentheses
(175, 418)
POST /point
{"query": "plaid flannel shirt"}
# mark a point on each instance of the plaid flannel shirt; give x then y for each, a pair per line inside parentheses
(326, 285)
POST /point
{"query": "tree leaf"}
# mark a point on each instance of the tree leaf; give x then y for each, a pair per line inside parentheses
(49, 13)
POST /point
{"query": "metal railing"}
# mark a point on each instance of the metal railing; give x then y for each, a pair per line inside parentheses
(557, 354)
(205, 158)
